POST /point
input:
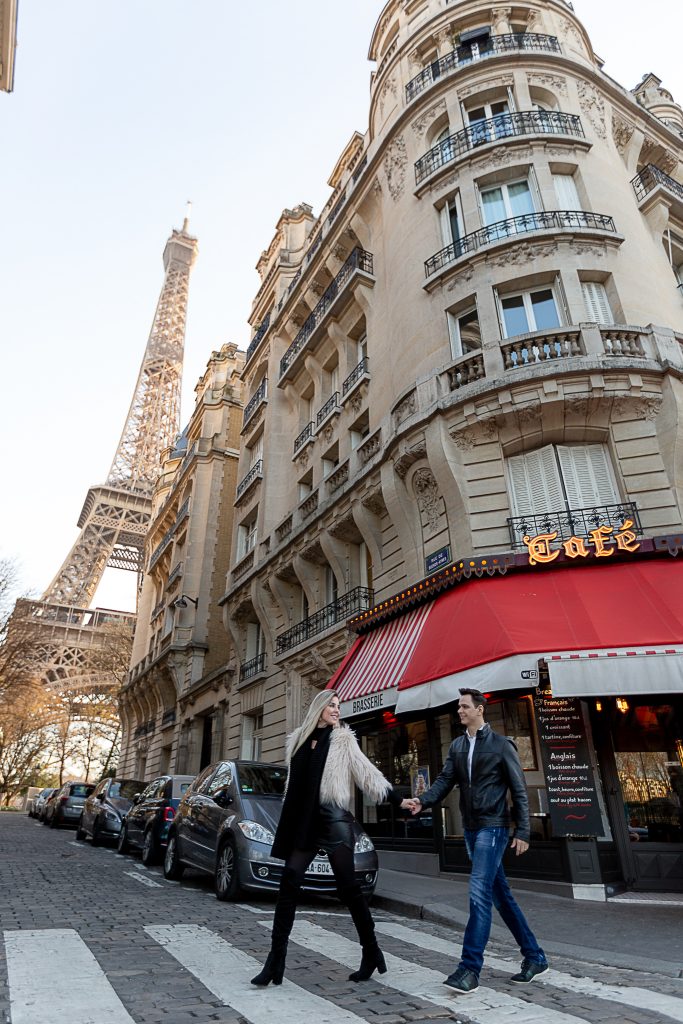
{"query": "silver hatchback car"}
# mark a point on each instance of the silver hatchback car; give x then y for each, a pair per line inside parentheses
(225, 826)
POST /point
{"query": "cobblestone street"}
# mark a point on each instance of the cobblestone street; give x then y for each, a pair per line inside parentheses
(91, 937)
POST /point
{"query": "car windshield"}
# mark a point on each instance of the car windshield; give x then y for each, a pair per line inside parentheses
(81, 789)
(124, 790)
(262, 780)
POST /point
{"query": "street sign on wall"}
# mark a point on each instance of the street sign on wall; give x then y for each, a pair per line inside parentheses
(438, 559)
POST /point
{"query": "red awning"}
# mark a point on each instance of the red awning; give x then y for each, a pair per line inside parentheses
(490, 633)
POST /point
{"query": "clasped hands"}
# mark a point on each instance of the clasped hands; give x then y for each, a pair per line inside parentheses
(411, 804)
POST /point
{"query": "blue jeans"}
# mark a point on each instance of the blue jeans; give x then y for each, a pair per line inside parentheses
(489, 887)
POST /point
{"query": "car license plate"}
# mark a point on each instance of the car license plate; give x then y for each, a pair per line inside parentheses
(319, 867)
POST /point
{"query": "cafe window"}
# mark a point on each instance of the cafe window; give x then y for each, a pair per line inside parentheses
(401, 752)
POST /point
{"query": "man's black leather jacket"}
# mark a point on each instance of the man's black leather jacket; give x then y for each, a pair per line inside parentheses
(495, 770)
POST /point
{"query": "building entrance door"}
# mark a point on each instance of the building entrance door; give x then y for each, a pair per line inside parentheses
(646, 795)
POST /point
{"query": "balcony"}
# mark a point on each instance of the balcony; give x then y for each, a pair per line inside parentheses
(502, 230)
(467, 370)
(576, 522)
(650, 177)
(254, 474)
(330, 407)
(541, 346)
(253, 667)
(304, 437)
(464, 55)
(176, 573)
(256, 340)
(357, 600)
(255, 402)
(359, 373)
(359, 261)
(500, 128)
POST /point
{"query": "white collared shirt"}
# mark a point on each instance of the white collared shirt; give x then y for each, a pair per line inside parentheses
(470, 754)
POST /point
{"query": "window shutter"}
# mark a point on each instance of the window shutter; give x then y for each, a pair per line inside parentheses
(537, 201)
(596, 302)
(511, 99)
(445, 218)
(535, 484)
(587, 475)
(565, 190)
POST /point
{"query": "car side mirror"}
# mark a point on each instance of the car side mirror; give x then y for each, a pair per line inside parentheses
(222, 798)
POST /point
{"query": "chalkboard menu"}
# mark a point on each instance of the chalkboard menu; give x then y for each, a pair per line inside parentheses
(570, 782)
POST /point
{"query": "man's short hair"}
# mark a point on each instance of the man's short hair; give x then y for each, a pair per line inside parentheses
(476, 695)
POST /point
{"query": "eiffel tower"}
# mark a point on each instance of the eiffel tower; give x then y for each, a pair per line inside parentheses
(115, 515)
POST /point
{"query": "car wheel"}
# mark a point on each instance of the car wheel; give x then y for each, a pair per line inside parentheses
(173, 866)
(150, 850)
(96, 837)
(80, 831)
(226, 879)
(122, 844)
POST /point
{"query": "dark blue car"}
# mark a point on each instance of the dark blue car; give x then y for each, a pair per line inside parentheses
(147, 822)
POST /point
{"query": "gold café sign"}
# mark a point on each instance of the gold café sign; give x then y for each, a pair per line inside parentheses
(602, 543)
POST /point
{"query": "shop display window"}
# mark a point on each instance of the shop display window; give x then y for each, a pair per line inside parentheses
(401, 752)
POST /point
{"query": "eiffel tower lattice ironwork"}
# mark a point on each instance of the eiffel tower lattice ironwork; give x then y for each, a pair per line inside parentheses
(115, 515)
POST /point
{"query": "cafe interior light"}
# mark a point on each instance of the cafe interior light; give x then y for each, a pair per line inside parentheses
(622, 704)
(598, 705)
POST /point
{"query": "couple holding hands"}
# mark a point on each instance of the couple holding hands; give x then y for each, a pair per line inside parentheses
(326, 763)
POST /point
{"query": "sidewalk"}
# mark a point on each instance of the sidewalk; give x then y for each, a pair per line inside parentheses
(628, 935)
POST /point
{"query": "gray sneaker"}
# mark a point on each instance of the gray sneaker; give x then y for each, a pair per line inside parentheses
(529, 970)
(462, 980)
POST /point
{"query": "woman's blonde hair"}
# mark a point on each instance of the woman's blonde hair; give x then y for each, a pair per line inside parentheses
(312, 716)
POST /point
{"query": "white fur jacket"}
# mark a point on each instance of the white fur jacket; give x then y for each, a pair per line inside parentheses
(346, 766)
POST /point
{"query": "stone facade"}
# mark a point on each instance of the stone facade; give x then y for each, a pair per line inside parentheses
(175, 703)
(486, 281)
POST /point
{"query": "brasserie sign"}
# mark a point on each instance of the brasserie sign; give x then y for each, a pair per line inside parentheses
(602, 542)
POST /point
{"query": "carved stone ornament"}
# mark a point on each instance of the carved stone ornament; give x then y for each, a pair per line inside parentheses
(534, 22)
(395, 167)
(426, 492)
(327, 433)
(388, 90)
(643, 408)
(552, 82)
(356, 401)
(588, 247)
(622, 131)
(593, 106)
(405, 408)
(668, 162)
(374, 502)
(647, 149)
(340, 253)
(377, 187)
(466, 438)
(522, 254)
(304, 457)
(422, 123)
(530, 413)
(502, 156)
(370, 447)
(502, 81)
(572, 35)
(409, 455)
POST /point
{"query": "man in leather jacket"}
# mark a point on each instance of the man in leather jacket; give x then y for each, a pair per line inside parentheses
(486, 766)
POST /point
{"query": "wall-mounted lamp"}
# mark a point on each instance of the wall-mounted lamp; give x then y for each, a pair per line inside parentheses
(598, 705)
(622, 704)
(181, 602)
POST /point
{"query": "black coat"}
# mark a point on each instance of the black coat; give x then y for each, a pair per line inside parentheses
(299, 820)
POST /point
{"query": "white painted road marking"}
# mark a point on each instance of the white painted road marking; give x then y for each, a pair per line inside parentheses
(144, 879)
(643, 998)
(55, 979)
(485, 1006)
(226, 971)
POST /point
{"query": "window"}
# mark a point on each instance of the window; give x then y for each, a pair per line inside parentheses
(305, 485)
(474, 43)
(451, 220)
(252, 729)
(256, 451)
(512, 199)
(596, 302)
(256, 641)
(221, 779)
(566, 193)
(464, 331)
(497, 112)
(560, 477)
(246, 540)
(533, 310)
(331, 589)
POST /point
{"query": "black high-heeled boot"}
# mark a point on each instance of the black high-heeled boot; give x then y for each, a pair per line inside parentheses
(285, 911)
(372, 959)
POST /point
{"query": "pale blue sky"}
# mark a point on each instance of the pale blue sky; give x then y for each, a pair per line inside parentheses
(122, 111)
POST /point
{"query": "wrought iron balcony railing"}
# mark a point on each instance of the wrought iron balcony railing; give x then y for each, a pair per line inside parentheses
(356, 600)
(259, 396)
(650, 177)
(356, 374)
(358, 260)
(504, 229)
(254, 474)
(495, 129)
(328, 408)
(464, 55)
(575, 522)
(305, 435)
(255, 341)
(252, 667)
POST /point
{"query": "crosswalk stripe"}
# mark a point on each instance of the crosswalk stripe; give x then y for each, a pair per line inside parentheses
(226, 971)
(628, 995)
(144, 879)
(485, 1006)
(55, 979)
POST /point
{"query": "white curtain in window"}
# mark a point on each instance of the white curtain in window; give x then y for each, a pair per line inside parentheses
(565, 190)
(535, 483)
(596, 302)
(587, 475)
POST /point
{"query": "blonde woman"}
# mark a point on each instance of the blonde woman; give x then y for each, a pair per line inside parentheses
(325, 763)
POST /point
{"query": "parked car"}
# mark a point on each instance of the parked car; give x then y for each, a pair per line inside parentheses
(106, 805)
(147, 823)
(65, 805)
(36, 805)
(225, 826)
(41, 802)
